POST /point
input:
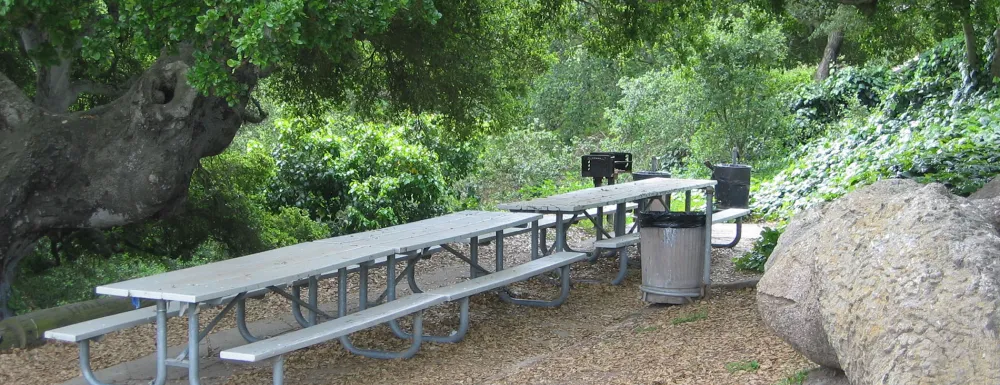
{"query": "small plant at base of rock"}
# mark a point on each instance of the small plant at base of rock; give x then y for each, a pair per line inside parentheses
(696, 316)
(796, 379)
(745, 366)
(755, 259)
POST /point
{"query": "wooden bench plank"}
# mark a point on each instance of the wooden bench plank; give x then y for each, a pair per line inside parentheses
(729, 214)
(508, 276)
(264, 349)
(617, 242)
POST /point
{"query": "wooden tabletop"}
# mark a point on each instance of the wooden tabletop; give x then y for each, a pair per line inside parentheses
(589, 198)
(288, 264)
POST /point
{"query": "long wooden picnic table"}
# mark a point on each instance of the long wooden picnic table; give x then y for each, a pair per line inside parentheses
(269, 270)
(578, 202)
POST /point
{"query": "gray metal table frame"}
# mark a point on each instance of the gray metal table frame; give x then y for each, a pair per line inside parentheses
(234, 278)
(577, 202)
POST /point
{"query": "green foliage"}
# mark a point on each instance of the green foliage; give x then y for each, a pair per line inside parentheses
(796, 379)
(755, 259)
(728, 97)
(692, 317)
(743, 366)
(518, 160)
(933, 126)
(357, 175)
(74, 281)
(816, 105)
(377, 56)
(571, 97)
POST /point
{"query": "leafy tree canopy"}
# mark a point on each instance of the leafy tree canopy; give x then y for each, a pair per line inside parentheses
(449, 56)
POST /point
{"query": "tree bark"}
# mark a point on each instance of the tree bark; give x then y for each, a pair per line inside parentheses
(971, 52)
(120, 163)
(833, 43)
(995, 62)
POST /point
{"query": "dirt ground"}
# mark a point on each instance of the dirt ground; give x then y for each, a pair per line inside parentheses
(603, 334)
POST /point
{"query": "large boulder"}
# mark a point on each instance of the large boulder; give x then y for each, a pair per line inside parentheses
(895, 283)
(990, 190)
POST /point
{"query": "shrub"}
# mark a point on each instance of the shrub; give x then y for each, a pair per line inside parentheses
(729, 97)
(932, 127)
(755, 259)
(356, 175)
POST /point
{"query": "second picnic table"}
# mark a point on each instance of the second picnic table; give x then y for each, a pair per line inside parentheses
(579, 202)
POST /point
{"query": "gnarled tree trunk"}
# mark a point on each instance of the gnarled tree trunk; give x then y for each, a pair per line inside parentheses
(120, 163)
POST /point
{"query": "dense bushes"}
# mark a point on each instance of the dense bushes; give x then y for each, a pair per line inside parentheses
(729, 97)
(932, 125)
(359, 175)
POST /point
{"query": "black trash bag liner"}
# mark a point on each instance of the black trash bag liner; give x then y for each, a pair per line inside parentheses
(671, 220)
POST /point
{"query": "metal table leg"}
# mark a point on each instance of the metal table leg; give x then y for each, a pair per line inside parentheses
(193, 356)
(560, 233)
(534, 240)
(707, 277)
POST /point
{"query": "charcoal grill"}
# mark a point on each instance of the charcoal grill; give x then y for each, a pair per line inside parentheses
(603, 166)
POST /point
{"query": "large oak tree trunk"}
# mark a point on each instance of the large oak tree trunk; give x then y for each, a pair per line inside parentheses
(833, 43)
(120, 163)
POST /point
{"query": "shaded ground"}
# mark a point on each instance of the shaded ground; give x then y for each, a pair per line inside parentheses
(603, 334)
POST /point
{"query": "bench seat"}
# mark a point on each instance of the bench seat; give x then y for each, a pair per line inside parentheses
(729, 214)
(288, 342)
(617, 242)
(507, 276)
(100, 326)
(343, 326)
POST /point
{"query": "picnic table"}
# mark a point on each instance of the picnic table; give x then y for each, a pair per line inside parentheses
(578, 202)
(231, 281)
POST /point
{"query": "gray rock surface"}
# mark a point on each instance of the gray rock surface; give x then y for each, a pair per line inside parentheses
(895, 283)
(990, 190)
(826, 376)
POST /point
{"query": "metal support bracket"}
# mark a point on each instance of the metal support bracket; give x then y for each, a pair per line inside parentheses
(563, 293)
(736, 240)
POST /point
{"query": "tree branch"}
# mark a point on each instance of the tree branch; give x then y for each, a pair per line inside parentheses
(257, 117)
(15, 107)
(94, 88)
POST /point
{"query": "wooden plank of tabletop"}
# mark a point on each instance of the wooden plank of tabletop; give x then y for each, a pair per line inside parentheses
(256, 271)
(589, 198)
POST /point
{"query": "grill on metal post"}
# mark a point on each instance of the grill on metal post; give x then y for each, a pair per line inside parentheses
(605, 165)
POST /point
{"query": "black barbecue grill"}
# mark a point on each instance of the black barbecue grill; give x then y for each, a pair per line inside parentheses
(605, 165)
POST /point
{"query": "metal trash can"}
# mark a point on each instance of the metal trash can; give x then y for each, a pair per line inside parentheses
(673, 256)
